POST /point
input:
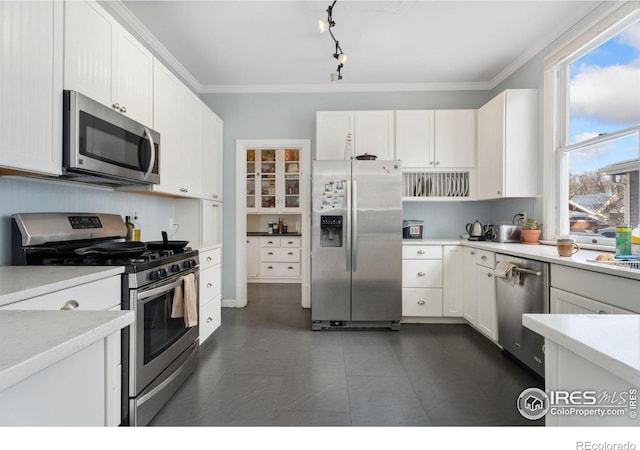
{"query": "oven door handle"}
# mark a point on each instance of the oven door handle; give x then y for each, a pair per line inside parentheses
(159, 290)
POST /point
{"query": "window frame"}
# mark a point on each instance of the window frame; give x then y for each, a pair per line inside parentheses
(556, 118)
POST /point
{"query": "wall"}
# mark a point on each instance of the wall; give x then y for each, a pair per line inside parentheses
(23, 195)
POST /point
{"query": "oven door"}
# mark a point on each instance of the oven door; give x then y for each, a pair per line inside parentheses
(159, 339)
(102, 142)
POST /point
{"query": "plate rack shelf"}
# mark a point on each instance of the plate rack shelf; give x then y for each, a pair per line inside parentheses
(432, 185)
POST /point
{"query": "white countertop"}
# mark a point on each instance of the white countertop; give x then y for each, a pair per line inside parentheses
(22, 282)
(608, 340)
(31, 341)
(541, 252)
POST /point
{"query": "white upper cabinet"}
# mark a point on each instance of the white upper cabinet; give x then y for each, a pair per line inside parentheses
(103, 61)
(454, 138)
(212, 129)
(507, 145)
(441, 139)
(31, 87)
(373, 132)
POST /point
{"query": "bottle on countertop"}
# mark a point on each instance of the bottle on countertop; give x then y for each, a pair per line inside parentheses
(137, 233)
(129, 225)
(635, 241)
(280, 225)
(623, 240)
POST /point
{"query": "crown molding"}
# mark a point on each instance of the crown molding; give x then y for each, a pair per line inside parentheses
(124, 15)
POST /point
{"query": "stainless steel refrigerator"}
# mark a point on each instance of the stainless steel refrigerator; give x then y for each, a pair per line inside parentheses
(356, 248)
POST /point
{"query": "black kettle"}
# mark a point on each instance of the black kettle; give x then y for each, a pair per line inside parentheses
(476, 231)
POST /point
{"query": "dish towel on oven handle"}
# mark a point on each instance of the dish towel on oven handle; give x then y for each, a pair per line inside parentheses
(185, 301)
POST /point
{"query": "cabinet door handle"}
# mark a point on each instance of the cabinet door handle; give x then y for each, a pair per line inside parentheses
(270, 253)
(214, 196)
(71, 304)
(209, 285)
(421, 302)
(209, 319)
(421, 274)
(489, 275)
(437, 163)
(116, 105)
(499, 192)
(184, 190)
(420, 252)
(473, 253)
(602, 311)
(123, 109)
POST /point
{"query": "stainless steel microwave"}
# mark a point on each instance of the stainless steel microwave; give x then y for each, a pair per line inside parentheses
(103, 146)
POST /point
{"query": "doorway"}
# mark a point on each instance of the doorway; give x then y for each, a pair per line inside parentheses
(303, 146)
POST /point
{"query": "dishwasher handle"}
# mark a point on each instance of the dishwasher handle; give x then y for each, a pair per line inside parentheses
(527, 271)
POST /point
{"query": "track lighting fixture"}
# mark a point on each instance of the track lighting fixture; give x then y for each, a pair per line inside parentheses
(326, 25)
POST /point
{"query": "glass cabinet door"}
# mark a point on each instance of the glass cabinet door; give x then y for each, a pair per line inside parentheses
(291, 179)
(268, 179)
(251, 180)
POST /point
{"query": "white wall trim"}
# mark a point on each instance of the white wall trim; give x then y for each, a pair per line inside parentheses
(242, 145)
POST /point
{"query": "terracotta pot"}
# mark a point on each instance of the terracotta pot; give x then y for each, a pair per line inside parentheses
(531, 237)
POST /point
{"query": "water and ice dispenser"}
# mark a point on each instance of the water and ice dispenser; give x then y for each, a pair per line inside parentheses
(330, 231)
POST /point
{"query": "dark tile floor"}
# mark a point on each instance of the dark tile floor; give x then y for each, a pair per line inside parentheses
(265, 367)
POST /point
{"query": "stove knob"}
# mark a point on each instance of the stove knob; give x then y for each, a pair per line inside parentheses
(175, 268)
(155, 275)
(185, 265)
(163, 273)
(192, 263)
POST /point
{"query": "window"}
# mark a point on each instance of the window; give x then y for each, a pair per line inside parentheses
(597, 141)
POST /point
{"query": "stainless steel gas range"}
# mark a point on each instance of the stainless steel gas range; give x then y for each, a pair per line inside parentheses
(160, 350)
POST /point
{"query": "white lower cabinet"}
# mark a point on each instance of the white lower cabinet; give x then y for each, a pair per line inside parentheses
(210, 292)
(421, 281)
(470, 301)
(452, 281)
(479, 291)
(486, 299)
(422, 302)
(61, 395)
(563, 302)
(277, 259)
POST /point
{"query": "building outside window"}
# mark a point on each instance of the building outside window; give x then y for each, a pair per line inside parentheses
(596, 144)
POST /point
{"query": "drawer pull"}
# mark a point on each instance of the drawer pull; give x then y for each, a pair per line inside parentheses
(489, 275)
(473, 253)
(602, 311)
(421, 274)
(484, 258)
(209, 285)
(421, 302)
(290, 253)
(420, 252)
(209, 319)
(290, 242)
(269, 267)
(209, 259)
(71, 304)
(270, 253)
(269, 242)
(290, 268)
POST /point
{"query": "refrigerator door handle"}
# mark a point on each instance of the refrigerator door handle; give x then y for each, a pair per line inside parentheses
(347, 228)
(354, 228)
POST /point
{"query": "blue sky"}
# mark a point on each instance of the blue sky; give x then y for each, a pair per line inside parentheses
(605, 97)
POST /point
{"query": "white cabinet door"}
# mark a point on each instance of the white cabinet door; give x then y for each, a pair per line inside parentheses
(562, 302)
(332, 128)
(211, 166)
(133, 78)
(414, 138)
(253, 257)
(453, 281)
(470, 307)
(31, 87)
(486, 298)
(212, 213)
(374, 133)
(455, 138)
(191, 151)
(103, 61)
(507, 145)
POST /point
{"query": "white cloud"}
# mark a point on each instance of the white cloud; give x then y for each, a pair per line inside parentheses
(597, 151)
(586, 135)
(631, 36)
(609, 94)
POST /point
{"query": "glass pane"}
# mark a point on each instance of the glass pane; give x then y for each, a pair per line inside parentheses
(251, 155)
(602, 83)
(603, 186)
(291, 155)
(251, 202)
(268, 155)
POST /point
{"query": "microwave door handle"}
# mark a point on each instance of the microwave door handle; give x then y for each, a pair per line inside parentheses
(152, 160)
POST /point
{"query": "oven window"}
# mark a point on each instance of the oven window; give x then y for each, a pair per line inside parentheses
(160, 330)
(106, 142)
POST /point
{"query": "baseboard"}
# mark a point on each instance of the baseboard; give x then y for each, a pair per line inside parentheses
(228, 303)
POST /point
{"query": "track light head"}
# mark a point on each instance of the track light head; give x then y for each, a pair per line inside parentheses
(326, 25)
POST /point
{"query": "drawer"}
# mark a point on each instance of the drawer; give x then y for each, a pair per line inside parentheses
(269, 242)
(95, 296)
(419, 302)
(418, 273)
(210, 282)
(278, 269)
(486, 259)
(290, 242)
(280, 255)
(210, 258)
(210, 318)
(421, 252)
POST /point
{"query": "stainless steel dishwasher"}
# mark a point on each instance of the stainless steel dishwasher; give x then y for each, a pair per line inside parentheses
(523, 288)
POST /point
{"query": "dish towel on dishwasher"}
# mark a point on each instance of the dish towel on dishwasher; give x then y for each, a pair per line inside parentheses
(504, 270)
(184, 301)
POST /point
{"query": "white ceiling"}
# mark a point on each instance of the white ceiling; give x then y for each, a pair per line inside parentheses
(275, 46)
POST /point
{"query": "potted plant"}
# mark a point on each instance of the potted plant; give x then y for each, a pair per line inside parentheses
(531, 230)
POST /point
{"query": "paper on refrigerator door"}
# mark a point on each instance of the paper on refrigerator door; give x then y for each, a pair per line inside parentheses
(333, 194)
